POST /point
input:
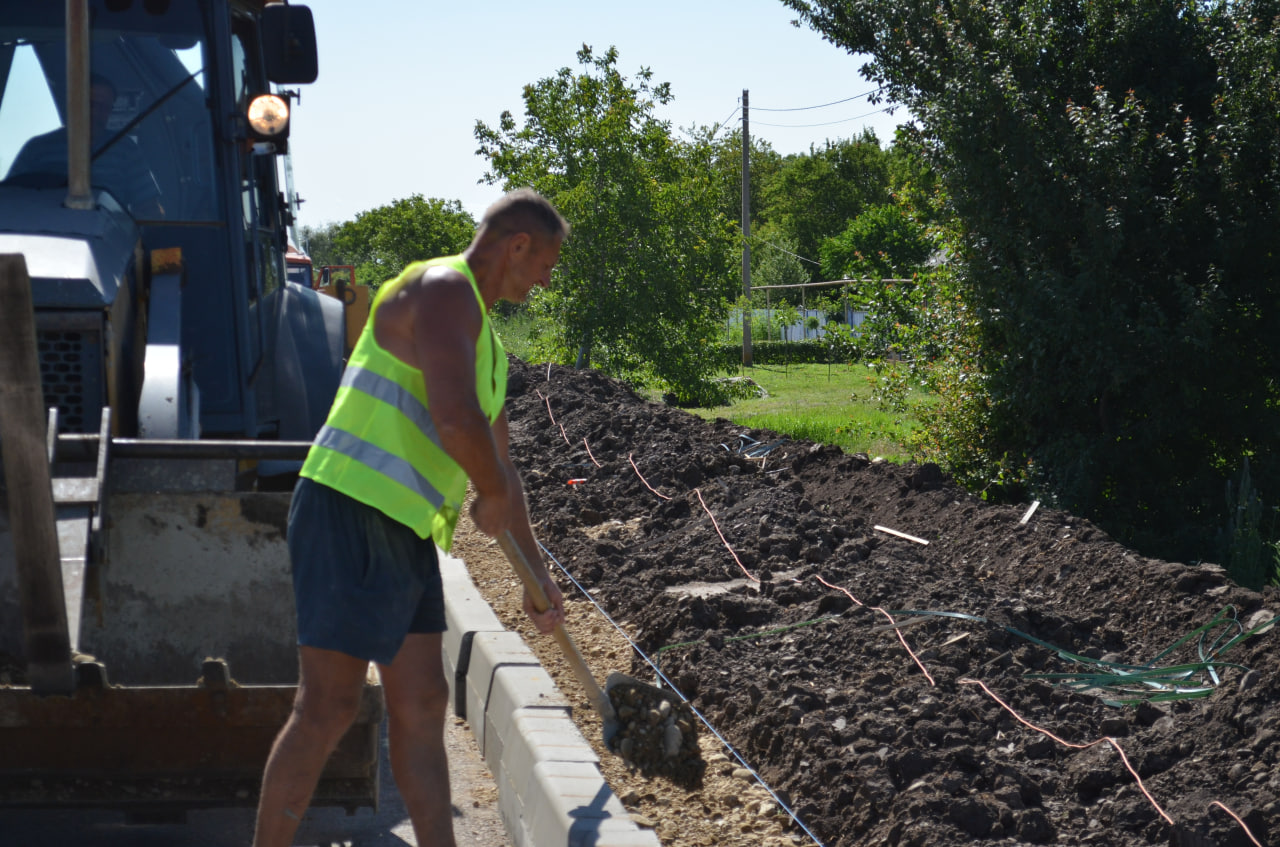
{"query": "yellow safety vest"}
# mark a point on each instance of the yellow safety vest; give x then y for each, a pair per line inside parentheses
(379, 444)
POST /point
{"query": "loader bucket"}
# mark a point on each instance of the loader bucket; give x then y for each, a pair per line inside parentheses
(186, 660)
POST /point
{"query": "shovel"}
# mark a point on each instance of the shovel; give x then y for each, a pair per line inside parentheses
(599, 699)
(661, 748)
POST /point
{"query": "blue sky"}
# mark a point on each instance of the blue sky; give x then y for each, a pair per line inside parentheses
(402, 83)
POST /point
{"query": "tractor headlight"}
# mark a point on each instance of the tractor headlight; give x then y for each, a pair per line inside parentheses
(269, 118)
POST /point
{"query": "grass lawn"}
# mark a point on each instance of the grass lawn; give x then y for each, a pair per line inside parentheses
(832, 404)
(835, 404)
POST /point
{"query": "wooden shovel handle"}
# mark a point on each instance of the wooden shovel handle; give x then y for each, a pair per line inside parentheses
(540, 604)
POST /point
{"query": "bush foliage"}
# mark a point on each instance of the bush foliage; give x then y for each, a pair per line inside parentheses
(1114, 170)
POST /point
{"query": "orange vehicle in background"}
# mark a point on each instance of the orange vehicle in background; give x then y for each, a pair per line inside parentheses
(337, 281)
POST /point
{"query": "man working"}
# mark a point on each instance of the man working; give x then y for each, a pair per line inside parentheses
(419, 411)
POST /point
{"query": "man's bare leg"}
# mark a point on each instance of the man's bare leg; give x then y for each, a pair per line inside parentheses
(417, 699)
(328, 699)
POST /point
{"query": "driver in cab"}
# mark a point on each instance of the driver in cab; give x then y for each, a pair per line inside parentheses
(117, 163)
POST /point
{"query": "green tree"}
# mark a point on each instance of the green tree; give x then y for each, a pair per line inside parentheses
(775, 261)
(815, 195)
(883, 241)
(317, 242)
(913, 182)
(644, 279)
(1114, 167)
(726, 166)
(785, 317)
(381, 242)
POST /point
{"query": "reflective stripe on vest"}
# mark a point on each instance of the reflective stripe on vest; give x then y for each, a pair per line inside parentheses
(387, 464)
(367, 453)
(379, 387)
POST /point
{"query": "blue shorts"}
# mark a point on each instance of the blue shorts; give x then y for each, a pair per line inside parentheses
(361, 581)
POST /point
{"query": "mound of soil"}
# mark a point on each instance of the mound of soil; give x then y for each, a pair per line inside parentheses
(779, 586)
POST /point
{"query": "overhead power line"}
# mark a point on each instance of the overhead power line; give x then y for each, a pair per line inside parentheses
(729, 116)
(788, 252)
(724, 123)
(829, 123)
(822, 105)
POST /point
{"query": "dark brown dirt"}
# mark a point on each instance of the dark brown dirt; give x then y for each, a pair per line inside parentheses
(816, 690)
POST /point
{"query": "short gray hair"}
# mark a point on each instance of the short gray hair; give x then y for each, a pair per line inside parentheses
(524, 210)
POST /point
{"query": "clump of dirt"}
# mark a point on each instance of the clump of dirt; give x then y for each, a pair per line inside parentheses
(898, 692)
(657, 733)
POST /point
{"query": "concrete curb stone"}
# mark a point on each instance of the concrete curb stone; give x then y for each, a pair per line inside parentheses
(550, 789)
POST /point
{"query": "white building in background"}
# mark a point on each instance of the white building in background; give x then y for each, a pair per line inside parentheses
(800, 329)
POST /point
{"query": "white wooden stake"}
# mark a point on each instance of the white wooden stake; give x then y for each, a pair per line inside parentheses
(902, 535)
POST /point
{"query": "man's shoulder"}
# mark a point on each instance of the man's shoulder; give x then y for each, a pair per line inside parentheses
(55, 134)
(436, 278)
(48, 146)
(124, 150)
(429, 290)
(448, 267)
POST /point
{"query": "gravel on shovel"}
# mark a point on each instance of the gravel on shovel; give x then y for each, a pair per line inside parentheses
(656, 735)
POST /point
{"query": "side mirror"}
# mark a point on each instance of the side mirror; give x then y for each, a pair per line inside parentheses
(289, 44)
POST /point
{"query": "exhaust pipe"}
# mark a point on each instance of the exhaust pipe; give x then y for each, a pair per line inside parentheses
(79, 195)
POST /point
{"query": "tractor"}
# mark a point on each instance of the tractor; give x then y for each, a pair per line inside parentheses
(160, 381)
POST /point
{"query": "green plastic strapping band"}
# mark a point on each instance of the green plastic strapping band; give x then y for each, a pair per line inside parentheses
(1122, 679)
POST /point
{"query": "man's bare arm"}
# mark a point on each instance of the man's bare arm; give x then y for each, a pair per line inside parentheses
(523, 533)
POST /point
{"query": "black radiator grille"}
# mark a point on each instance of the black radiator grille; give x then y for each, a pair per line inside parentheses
(71, 375)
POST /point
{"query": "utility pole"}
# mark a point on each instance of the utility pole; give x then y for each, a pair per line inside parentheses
(746, 233)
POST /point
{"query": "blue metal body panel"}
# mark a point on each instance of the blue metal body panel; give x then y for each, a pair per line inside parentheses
(76, 260)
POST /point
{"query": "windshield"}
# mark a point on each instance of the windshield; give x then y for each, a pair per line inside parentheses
(151, 137)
